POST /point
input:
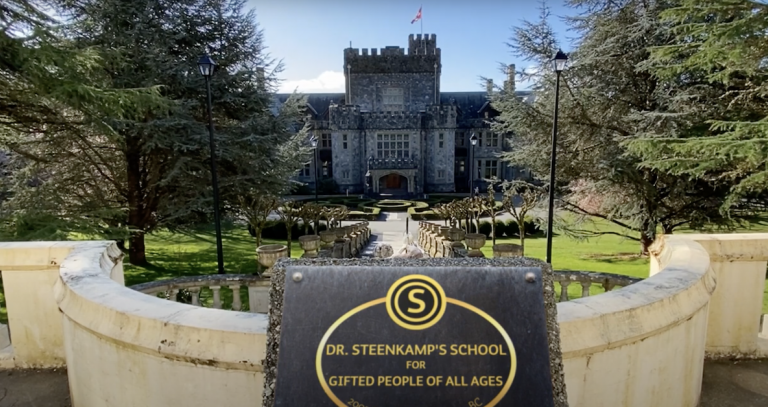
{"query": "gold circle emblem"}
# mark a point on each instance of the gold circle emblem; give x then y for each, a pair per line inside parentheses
(415, 302)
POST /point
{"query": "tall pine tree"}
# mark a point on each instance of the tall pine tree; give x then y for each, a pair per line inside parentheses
(606, 99)
(154, 170)
(718, 52)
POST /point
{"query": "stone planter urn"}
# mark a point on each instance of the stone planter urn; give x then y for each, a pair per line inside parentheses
(339, 233)
(507, 250)
(475, 241)
(327, 236)
(269, 254)
(310, 244)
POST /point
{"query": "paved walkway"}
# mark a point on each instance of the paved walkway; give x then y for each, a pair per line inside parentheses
(390, 229)
(726, 384)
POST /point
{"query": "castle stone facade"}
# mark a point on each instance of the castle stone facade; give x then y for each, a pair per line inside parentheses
(393, 132)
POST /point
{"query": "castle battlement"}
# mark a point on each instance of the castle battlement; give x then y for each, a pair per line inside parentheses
(421, 57)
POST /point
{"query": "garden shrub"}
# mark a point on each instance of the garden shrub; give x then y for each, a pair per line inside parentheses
(486, 228)
(531, 228)
(512, 229)
(501, 228)
(276, 230)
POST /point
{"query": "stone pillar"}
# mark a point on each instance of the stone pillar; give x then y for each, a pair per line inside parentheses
(442, 239)
(735, 310)
(507, 250)
(338, 248)
(30, 271)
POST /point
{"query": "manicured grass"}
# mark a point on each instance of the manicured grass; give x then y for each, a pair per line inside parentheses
(185, 254)
(178, 255)
(607, 254)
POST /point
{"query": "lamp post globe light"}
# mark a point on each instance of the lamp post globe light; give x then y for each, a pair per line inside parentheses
(206, 66)
(473, 141)
(558, 63)
(313, 143)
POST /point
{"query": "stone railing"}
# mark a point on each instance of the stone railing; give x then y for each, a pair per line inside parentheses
(443, 241)
(343, 242)
(587, 280)
(392, 163)
(189, 290)
(67, 305)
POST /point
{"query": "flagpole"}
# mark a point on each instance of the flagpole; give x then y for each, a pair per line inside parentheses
(421, 23)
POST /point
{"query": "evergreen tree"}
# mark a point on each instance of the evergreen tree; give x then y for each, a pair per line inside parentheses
(154, 170)
(50, 89)
(606, 99)
(718, 52)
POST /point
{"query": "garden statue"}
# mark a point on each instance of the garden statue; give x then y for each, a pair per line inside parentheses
(383, 251)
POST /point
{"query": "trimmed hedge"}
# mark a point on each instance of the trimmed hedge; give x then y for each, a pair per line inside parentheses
(366, 213)
(276, 230)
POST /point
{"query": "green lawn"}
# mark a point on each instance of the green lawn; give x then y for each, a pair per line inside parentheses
(177, 254)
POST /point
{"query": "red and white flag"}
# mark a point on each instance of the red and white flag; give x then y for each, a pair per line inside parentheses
(418, 16)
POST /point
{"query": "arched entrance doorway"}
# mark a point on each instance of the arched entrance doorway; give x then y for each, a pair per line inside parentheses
(393, 184)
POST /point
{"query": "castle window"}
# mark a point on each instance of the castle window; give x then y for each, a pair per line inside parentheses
(305, 171)
(440, 174)
(345, 174)
(392, 99)
(492, 139)
(393, 146)
(327, 172)
(459, 139)
(491, 169)
(480, 138)
(344, 139)
(460, 166)
(441, 140)
(325, 140)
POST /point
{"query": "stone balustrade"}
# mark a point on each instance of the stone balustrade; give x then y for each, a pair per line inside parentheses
(67, 305)
(190, 290)
(341, 242)
(586, 280)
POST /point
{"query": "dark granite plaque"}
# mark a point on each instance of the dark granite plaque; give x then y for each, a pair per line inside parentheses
(395, 336)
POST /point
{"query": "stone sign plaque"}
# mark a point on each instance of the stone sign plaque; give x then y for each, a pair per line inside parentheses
(397, 336)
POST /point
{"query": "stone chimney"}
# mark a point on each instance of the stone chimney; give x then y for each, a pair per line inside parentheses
(489, 85)
(509, 84)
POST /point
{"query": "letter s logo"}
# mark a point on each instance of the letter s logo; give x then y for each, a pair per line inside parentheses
(415, 300)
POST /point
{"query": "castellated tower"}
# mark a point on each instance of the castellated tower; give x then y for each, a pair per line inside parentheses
(390, 80)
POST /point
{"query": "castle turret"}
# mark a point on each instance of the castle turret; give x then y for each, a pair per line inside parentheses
(389, 79)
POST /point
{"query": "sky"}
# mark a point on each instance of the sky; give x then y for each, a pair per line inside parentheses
(309, 36)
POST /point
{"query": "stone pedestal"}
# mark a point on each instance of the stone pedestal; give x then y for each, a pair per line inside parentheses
(338, 248)
(507, 250)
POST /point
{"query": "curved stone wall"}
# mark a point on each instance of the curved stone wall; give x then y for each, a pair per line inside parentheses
(640, 346)
(644, 344)
(125, 348)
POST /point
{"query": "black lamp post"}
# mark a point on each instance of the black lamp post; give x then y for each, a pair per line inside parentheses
(206, 66)
(559, 64)
(313, 142)
(473, 141)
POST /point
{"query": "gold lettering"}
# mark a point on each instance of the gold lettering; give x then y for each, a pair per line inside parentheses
(442, 350)
(421, 304)
(355, 350)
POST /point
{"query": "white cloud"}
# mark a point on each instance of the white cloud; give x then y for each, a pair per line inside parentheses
(326, 82)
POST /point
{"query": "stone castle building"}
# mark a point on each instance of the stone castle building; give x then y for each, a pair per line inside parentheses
(394, 132)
